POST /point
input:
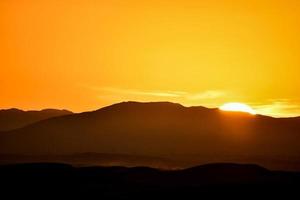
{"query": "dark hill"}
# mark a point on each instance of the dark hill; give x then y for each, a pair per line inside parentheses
(15, 118)
(162, 129)
(213, 180)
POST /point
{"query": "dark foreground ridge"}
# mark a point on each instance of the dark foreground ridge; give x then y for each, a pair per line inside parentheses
(240, 181)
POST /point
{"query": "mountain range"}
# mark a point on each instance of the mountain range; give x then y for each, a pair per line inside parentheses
(192, 135)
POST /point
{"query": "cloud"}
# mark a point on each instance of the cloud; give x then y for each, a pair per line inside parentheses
(209, 94)
(173, 95)
(144, 93)
(279, 108)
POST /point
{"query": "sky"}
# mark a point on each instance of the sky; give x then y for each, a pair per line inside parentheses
(85, 54)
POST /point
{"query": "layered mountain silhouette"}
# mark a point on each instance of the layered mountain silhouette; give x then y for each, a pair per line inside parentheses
(15, 118)
(162, 129)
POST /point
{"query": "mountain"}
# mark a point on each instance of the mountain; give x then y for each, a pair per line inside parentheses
(221, 180)
(93, 159)
(162, 129)
(15, 118)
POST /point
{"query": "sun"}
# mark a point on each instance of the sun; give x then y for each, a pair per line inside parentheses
(237, 107)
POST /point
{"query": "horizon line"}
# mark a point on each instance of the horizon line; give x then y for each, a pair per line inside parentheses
(142, 102)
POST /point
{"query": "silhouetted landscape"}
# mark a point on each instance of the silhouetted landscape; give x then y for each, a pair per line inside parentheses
(158, 99)
(164, 149)
(168, 133)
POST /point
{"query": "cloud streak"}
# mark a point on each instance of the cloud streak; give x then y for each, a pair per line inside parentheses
(279, 108)
(143, 93)
(208, 94)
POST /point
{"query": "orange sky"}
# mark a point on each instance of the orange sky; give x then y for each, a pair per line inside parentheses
(85, 54)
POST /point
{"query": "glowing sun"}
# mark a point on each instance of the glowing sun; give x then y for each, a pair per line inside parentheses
(237, 107)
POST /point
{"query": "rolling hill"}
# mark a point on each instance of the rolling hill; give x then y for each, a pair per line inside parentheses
(15, 118)
(190, 134)
(218, 180)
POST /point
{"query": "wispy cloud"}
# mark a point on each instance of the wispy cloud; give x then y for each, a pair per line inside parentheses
(279, 108)
(182, 95)
(143, 93)
(209, 94)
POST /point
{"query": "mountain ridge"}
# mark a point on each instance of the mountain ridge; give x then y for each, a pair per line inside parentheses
(117, 182)
(14, 118)
(158, 129)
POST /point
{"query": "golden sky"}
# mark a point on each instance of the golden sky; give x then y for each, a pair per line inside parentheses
(85, 54)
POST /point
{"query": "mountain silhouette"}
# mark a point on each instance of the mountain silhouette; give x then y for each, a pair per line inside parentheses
(15, 118)
(190, 134)
(94, 159)
(213, 180)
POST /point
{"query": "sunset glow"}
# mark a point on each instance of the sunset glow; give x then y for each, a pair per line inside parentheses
(237, 107)
(138, 99)
(84, 54)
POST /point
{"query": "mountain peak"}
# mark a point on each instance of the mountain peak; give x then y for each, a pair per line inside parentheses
(129, 105)
(156, 103)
